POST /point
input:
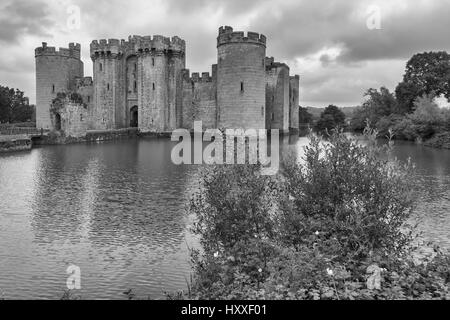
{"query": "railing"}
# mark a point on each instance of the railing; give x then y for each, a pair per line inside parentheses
(9, 130)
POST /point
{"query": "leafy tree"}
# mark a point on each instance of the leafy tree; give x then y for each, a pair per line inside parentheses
(378, 104)
(426, 73)
(14, 106)
(330, 118)
(304, 116)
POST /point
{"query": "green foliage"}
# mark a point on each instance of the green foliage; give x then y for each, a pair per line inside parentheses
(332, 117)
(426, 121)
(378, 104)
(304, 116)
(440, 140)
(314, 231)
(14, 106)
(425, 73)
(357, 198)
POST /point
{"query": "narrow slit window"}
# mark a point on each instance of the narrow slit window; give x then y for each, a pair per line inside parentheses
(153, 85)
(153, 62)
(53, 89)
(101, 67)
(135, 86)
(89, 98)
(242, 86)
(135, 67)
(107, 86)
(81, 117)
(262, 111)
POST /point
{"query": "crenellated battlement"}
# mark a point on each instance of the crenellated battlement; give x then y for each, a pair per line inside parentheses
(73, 51)
(158, 43)
(196, 77)
(104, 47)
(227, 35)
(137, 44)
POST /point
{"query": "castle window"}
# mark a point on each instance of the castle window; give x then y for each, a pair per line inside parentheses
(81, 117)
(101, 67)
(273, 98)
(153, 62)
(53, 89)
(107, 86)
(135, 67)
(153, 86)
(242, 86)
(135, 86)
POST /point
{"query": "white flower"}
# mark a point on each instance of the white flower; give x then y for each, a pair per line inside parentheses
(260, 270)
(216, 254)
(316, 233)
(329, 272)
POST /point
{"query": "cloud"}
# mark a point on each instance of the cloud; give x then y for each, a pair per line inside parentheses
(326, 42)
(22, 17)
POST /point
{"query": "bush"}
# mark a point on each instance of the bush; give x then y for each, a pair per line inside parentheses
(332, 227)
(356, 197)
(387, 125)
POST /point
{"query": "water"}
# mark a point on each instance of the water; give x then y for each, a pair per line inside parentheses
(117, 210)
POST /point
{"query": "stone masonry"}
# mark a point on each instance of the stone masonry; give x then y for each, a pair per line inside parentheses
(143, 82)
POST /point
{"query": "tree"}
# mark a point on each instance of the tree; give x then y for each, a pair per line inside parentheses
(304, 116)
(425, 73)
(330, 118)
(14, 106)
(379, 103)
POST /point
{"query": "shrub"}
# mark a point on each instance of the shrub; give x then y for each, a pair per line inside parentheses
(357, 198)
(386, 125)
(318, 230)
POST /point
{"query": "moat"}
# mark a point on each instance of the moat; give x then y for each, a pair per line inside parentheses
(117, 210)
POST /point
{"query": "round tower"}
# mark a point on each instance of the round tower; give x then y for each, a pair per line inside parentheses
(56, 71)
(241, 79)
(105, 55)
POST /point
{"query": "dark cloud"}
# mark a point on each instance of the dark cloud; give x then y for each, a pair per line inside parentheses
(307, 26)
(299, 32)
(228, 7)
(22, 17)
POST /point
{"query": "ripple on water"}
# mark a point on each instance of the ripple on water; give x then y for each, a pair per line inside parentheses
(117, 211)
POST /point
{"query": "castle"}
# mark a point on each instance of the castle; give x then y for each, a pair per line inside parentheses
(144, 83)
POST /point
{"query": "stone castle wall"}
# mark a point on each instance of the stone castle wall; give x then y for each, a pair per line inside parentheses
(294, 96)
(277, 95)
(145, 72)
(199, 99)
(56, 71)
(143, 82)
(73, 119)
(241, 79)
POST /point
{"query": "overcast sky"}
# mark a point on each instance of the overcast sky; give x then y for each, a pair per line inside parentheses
(328, 43)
